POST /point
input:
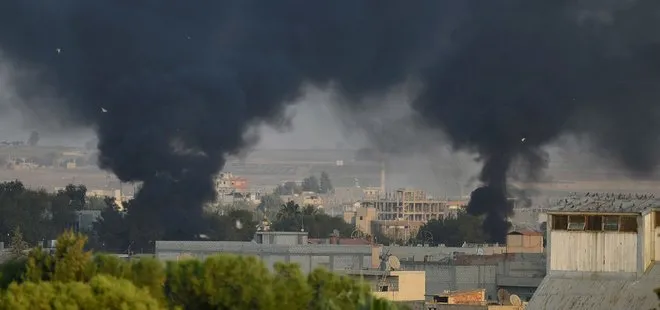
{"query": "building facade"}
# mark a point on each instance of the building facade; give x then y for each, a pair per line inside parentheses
(601, 253)
(272, 247)
(394, 285)
(407, 205)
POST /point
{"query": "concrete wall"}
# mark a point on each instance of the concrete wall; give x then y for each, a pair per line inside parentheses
(519, 274)
(648, 230)
(309, 257)
(590, 251)
(420, 254)
(518, 243)
(523, 275)
(442, 277)
(411, 287)
(656, 244)
(363, 218)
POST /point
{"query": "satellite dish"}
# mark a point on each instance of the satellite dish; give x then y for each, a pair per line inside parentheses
(480, 251)
(515, 300)
(393, 262)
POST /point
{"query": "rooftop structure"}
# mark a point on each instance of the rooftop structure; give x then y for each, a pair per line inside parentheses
(599, 246)
(274, 247)
(524, 241)
(605, 202)
(394, 285)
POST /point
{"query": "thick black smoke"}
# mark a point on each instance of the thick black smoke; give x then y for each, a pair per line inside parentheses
(171, 86)
(520, 73)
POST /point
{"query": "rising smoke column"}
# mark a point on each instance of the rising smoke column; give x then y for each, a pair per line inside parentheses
(181, 82)
(521, 73)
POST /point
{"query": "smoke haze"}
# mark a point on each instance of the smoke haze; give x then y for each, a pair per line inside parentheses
(171, 88)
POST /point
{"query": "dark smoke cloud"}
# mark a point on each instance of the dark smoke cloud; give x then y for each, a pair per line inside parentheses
(182, 81)
(534, 70)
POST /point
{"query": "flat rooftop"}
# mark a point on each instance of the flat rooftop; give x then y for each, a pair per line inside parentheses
(606, 203)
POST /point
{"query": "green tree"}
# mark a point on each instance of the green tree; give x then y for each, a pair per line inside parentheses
(291, 285)
(270, 205)
(77, 195)
(455, 231)
(321, 225)
(288, 188)
(112, 228)
(102, 292)
(236, 225)
(310, 184)
(12, 271)
(71, 278)
(332, 291)
(221, 282)
(325, 185)
(292, 217)
(18, 245)
(70, 262)
(288, 218)
(148, 273)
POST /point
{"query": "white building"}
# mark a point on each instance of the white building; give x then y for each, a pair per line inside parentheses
(602, 251)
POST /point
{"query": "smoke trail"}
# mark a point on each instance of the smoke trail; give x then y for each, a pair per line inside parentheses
(171, 86)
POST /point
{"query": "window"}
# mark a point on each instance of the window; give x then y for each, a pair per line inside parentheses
(384, 288)
(623, 223)
(628, 224)
(594, 223)
(559, 222)
(576, 222)
(657, 219)
(360, 218)
(610, 223)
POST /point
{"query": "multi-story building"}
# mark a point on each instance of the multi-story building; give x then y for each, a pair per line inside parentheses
(406, 205)
(226, 182)
(603, 252)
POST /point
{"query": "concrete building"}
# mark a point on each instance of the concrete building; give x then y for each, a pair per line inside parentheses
(275, 247)
(524, 241)
(397, 230)
(362, 218)
(407, 205)
(602, 253)
(394, 285)
(480, 267)
(469, 300)
(226, 182)
(372, 193)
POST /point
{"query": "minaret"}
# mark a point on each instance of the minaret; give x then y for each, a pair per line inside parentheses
(382, 177)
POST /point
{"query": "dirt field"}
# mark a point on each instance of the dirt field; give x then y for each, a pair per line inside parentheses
(49, 179)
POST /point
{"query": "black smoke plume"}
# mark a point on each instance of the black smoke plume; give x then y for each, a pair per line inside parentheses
(171, 86)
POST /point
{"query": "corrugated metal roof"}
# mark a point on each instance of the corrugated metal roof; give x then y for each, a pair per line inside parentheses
(606, 202)
(592, 293)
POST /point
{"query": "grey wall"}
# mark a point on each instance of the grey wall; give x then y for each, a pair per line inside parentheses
(309, 257)
(442, 277)
(409, 253)
(519, 274)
